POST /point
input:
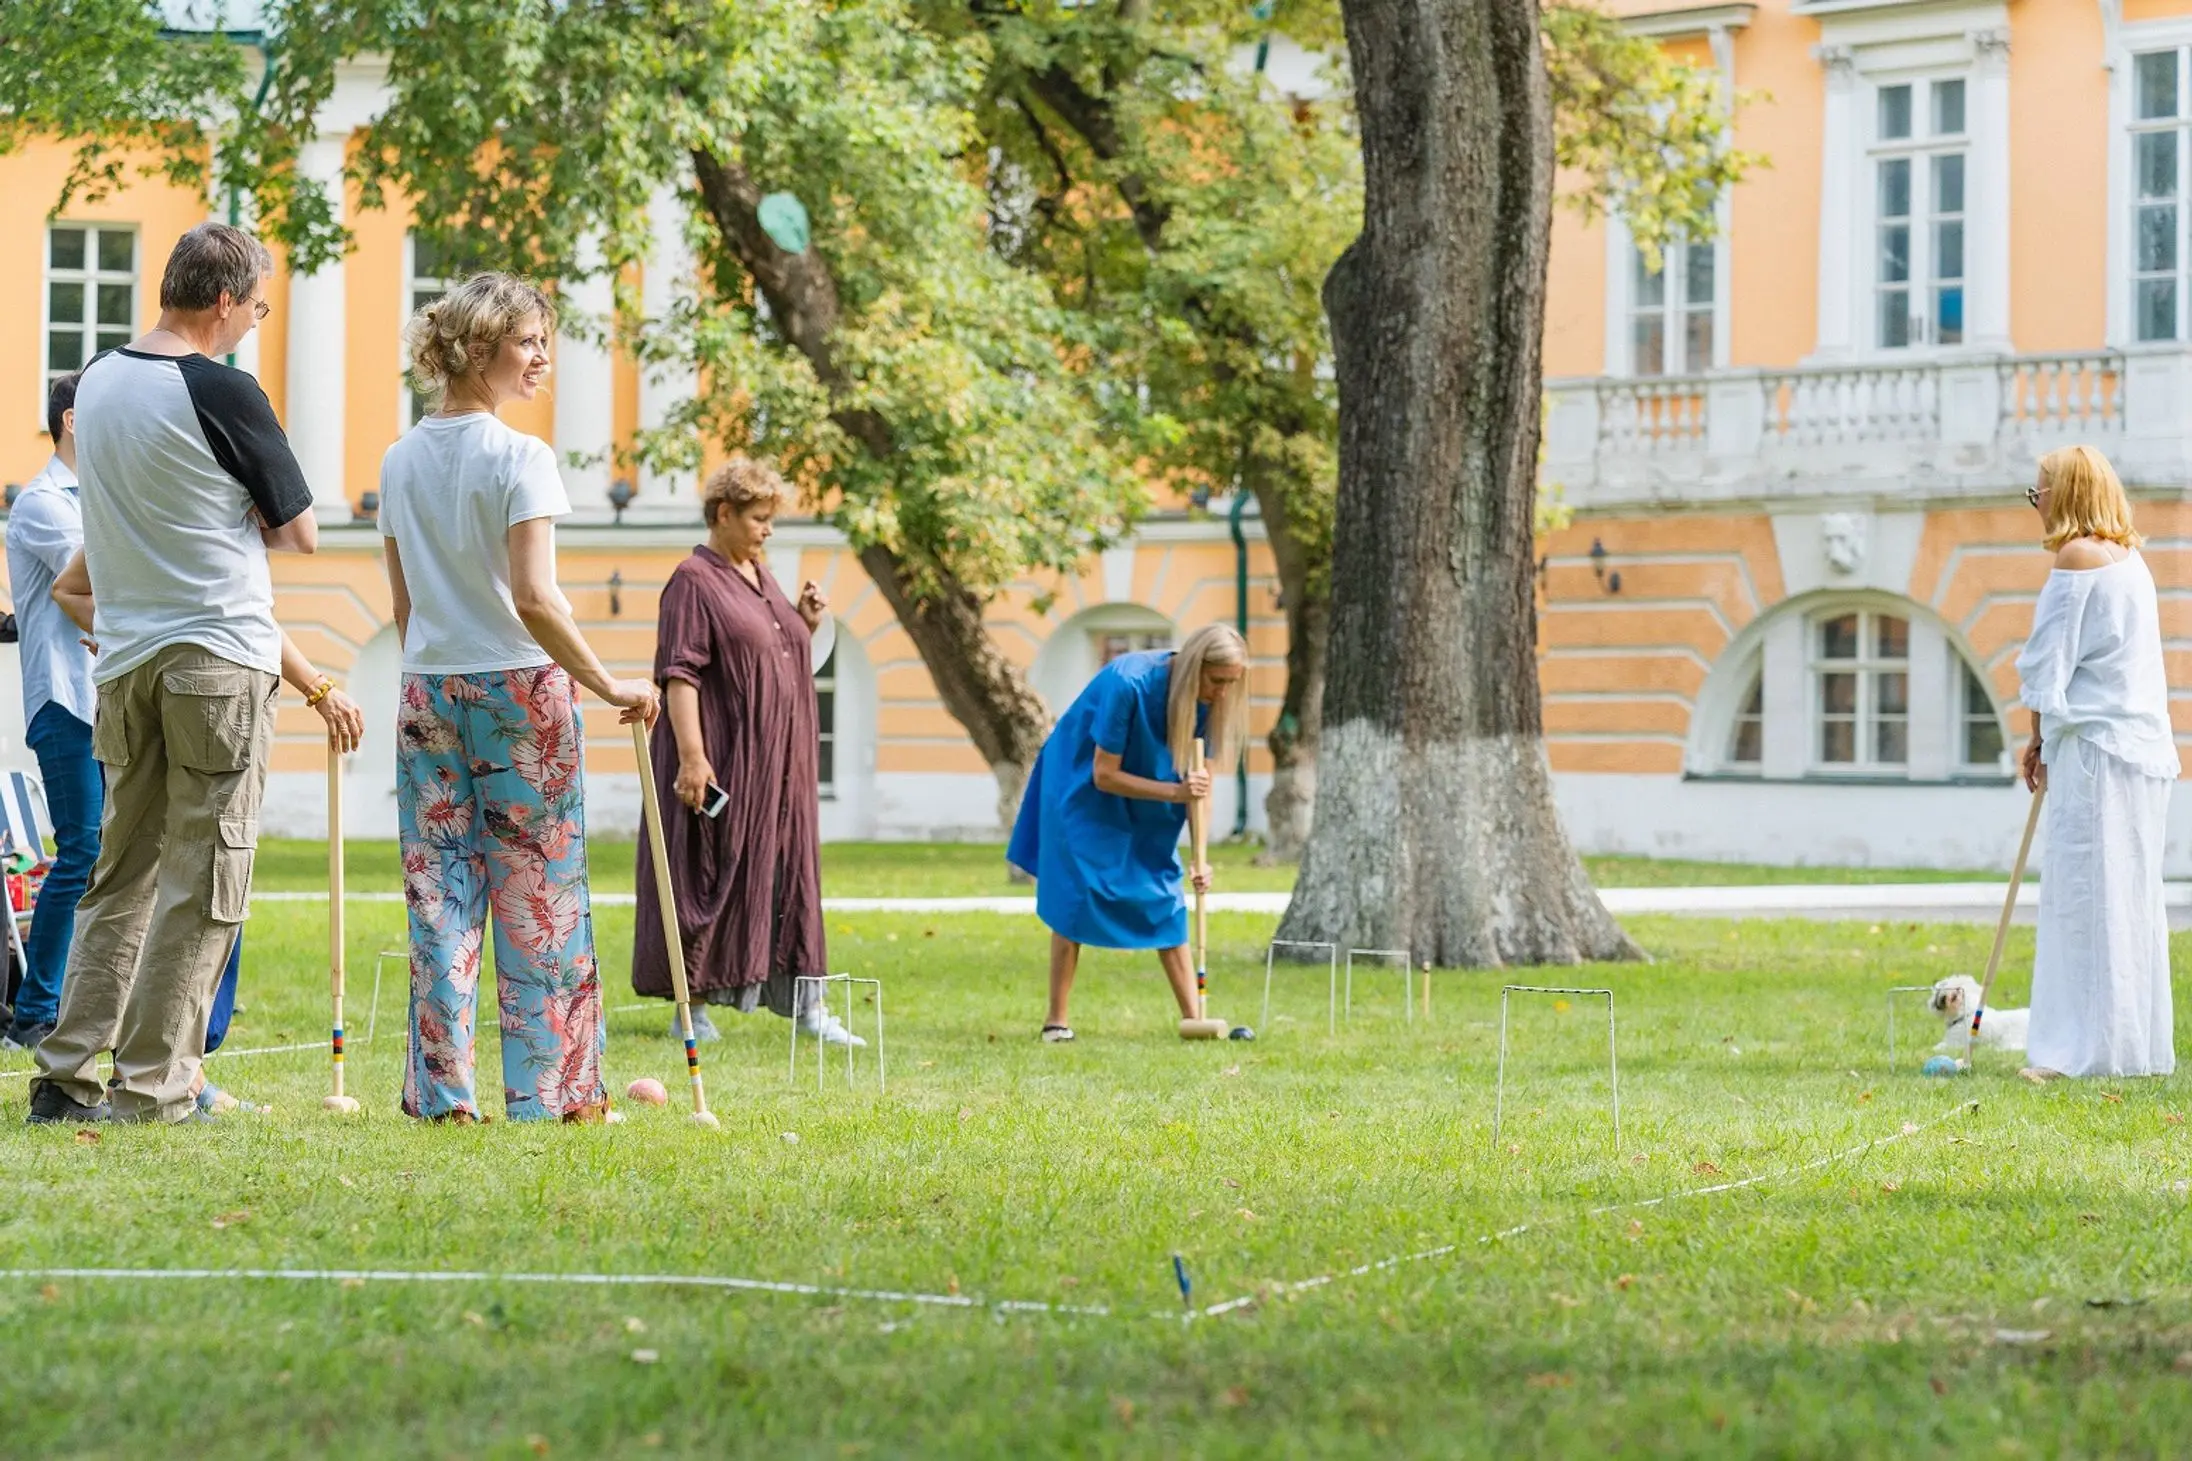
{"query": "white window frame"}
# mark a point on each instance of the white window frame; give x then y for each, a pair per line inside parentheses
(1621, 264)
(1918, 150)
(91, 277)
(1867, 716)
(413, 284)
(1755, 691)
(1861, 49)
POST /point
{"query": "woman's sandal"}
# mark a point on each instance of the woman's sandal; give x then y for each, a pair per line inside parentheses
(1057, 1034)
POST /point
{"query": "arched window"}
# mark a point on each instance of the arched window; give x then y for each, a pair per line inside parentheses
(825, 719)
(1849, 687)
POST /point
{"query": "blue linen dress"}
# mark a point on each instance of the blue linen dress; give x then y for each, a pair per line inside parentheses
(1107, 868)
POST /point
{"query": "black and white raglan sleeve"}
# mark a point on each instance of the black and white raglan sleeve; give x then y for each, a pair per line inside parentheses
(239, 426)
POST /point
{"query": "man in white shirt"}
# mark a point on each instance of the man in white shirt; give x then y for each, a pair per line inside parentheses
(45, 528)
(187, 483)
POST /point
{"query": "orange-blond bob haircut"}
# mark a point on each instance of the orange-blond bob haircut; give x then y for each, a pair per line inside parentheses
(2085, 499)
(738, 484)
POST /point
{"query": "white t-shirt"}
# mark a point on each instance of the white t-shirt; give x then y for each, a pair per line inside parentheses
(181, 461)
(451, 490)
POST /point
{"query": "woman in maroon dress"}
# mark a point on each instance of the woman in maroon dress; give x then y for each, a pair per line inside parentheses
(732, 654)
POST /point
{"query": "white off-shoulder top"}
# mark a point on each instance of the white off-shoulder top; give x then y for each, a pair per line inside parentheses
(2092, 666)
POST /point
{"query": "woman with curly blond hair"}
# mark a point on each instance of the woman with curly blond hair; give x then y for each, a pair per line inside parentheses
(489, 750)
(2103, 749)
(734, 656)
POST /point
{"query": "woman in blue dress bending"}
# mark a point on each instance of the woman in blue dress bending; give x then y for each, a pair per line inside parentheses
(1101, 817)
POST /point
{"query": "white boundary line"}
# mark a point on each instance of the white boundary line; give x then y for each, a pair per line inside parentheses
(1401, 1260)
(942, 1301)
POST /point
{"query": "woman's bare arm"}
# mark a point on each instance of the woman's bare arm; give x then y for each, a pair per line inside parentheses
(1112, 779)
(547, 617)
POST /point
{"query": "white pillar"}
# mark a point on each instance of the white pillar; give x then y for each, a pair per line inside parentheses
(1837, 206)
(1723, 350)
(585, 386)
(668, 277)
(1787, 734)
(1986, 233)
(318, 349)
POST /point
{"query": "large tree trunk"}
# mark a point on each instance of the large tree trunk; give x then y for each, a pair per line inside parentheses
(984, 691)
(1305, 590)
(1435, 824)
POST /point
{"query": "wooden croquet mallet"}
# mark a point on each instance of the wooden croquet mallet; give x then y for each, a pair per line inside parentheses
(2001, 927)
(651, 809)
(335, 1100)
(1202, 1027)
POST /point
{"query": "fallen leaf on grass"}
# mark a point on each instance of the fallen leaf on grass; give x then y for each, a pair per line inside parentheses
(283, 1378)
(645, 1356)
(339, 1177)
(633, 1324)
(2182, 1364)
(234, 1219)
(1124, 1409)
(1552, 1380)
(539, 1444)
(966, 1113)
(928, 1065)
(1514, 1149)
(1705, 1169)
(1230, 1070)
(1234, 1398)
(1068, 1281)
(2089, 1218)
(2172, 1118)
(1864, 1095)
(951, 1284)
(353, 1283)
(87, 1137)
(1802, 1301)
(1565, 1301)
(1940, 1386)
(651, 1439)
(1640, 1159)
(2112, 1098)
(1910, 1128)
(2022, 1336)
(791, 1138)
(1624, 1281)
(1245, 1215)
(1636, 1228)
(1891, 1185)
(475, 1320)
(1228, 1181)
(51, 1293)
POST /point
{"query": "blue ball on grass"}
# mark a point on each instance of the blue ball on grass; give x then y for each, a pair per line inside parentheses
(1942, 1065)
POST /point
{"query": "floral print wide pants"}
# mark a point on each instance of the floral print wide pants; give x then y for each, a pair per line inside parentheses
(492, 815)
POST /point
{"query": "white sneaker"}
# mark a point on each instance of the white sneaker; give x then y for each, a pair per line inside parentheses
(830, 1030)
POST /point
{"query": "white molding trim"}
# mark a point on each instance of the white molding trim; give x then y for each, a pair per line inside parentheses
(2122, 39)
(1685, 24)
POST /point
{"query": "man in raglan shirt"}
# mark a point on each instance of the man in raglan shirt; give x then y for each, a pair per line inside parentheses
(186, 483)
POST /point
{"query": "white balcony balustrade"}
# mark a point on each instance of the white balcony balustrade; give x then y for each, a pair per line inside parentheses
(1967, 426)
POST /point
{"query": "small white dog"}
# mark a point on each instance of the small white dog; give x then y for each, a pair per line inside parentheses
(1955, 997)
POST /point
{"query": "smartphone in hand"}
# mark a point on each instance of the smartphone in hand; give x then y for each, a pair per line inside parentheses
(714, 800)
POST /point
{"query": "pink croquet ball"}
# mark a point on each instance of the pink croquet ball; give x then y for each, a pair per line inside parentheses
(647, 1091)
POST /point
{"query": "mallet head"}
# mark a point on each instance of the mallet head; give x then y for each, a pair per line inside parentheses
(343, 1105)
(1202, 1029)
(706, 1118)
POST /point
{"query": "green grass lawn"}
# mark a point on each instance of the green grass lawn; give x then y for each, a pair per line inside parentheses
(977, 869)
(2004, 1282)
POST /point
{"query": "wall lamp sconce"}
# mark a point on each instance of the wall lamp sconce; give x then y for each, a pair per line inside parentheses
(620, 497)
(616, 592)
(13, 491)
(1610, 582)
(368, 508)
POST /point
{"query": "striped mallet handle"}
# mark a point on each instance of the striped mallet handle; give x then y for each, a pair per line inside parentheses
(2009, 907)
(651, 809)
(1198, 835)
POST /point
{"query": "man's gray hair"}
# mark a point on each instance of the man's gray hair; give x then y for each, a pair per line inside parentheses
(211, 260)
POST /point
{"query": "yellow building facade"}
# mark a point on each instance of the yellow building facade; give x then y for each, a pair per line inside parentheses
(1785, 621)
(329, 358)
(1783, 624)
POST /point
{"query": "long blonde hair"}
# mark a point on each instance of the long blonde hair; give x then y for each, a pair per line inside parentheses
(1227, 729)
(2085, 499)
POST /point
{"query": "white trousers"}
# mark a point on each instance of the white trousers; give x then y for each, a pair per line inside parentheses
(2100, 980)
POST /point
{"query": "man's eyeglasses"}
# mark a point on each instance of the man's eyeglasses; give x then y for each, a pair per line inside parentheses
(260, 308)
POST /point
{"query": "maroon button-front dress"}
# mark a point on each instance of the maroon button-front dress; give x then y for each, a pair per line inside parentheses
(748, 882)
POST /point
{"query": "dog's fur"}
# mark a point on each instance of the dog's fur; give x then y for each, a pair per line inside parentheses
(1955, 997)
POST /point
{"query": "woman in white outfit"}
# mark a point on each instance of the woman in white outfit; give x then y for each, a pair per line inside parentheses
(2102, 747)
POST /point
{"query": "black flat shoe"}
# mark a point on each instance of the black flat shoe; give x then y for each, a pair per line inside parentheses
(52, 1106)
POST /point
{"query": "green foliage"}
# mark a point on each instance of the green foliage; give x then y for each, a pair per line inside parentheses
(102, 74)
(1647, 132)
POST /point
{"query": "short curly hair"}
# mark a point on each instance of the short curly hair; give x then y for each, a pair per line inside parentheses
(458, 333)
(738, 484)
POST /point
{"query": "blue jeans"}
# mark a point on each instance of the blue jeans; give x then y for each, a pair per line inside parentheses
(75, 797)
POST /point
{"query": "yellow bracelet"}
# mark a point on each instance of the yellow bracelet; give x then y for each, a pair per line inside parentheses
(326, 688)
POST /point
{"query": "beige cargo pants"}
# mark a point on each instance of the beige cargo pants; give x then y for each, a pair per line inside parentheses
(184, 738)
